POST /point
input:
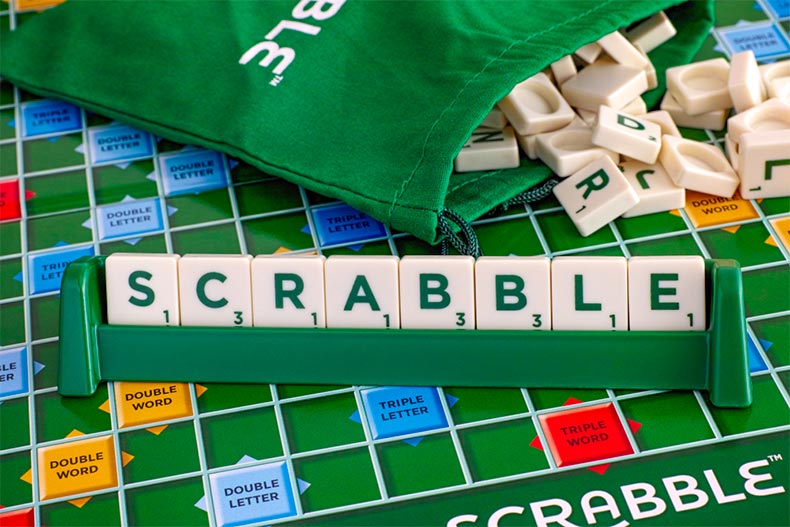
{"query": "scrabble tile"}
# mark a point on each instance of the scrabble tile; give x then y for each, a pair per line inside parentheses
(714, 120)
(604, 82)
(288, 291)
(627, 135)
(698, 166)
(488, 150)
(745, 82)
(535, 106)
(362, 292)
(563, 69)
(664, 120)
(142, 289)
(595, 195)
(513, 292)
(589, 52)
(437, 292)
(529, 143)
(215, 290)
(650, 70)
(655, 189)
(622, 51)
(700, 87)
(666, 293)
(567, 151)
(773, 114)
(495, 120)
(588, 116)
(589, 293)
(652, 32)
(635, 107)
(776, 77)
(731, 150)
(764, 164)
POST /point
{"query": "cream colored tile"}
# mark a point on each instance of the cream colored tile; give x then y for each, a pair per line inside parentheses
(288, 291)
(714, 120)
(666, 293)
(652, 32)
(215, 290)
(589, 52)
(655, 189)
(700, 87)
(663, 119)
(627, 135)
(589, 293)
(635, 107)
(362, 292)
(604, 82)
(595, 195)
(488, 150)
(773, 114)
(731, 150)
(764, 164)
(697, 166)
(563, 69)
(567, 151)
(776, 77)
(142, 289)
(535, 106)
(513, 292)
(622, 51)
(437, 292)
(745, 82)
(495, 120)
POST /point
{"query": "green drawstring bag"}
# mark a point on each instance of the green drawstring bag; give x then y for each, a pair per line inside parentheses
(365, 101)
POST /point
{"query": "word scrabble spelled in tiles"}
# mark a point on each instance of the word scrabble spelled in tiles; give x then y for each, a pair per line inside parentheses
(416, 292)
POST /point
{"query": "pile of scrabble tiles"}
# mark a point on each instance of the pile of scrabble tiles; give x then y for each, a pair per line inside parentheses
(584, 117)
(414, 292)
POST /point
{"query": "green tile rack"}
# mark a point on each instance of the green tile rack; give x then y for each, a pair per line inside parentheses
(715, 360)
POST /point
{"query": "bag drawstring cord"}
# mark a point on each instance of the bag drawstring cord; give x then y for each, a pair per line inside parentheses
(465, 240)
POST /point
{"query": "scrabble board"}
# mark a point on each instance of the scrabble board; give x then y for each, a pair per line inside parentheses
(74, 184)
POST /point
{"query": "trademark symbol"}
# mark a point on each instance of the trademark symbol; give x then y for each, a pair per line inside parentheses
(773, 458)
(276, 80)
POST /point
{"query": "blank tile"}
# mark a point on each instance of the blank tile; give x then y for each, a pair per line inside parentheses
(745, 82)
(698, 166)
(437, 292)
(776, 77)
(495, 120)
(773, 114)
(513, 292)
(622, 51)
(589, 52)
(650, 70)
(215, 290)
(589, 293)
(595, 195)
(655, 189)
(142, 289)
(700, 87)
(714, 120)
(664, 120)
(535, 106)
(529, 143)
(652, 32)
(288, 291)
(731, 150)
(569, 150)
(604, 82)
(666, 293)
(362, 292)
(563, 69)
(488, 150)
(764, 164)
(635, 107)
(628, 135)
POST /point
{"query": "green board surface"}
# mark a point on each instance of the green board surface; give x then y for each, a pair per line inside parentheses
(488, 460)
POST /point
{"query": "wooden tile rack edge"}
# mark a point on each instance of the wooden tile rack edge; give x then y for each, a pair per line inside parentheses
(715, 360)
